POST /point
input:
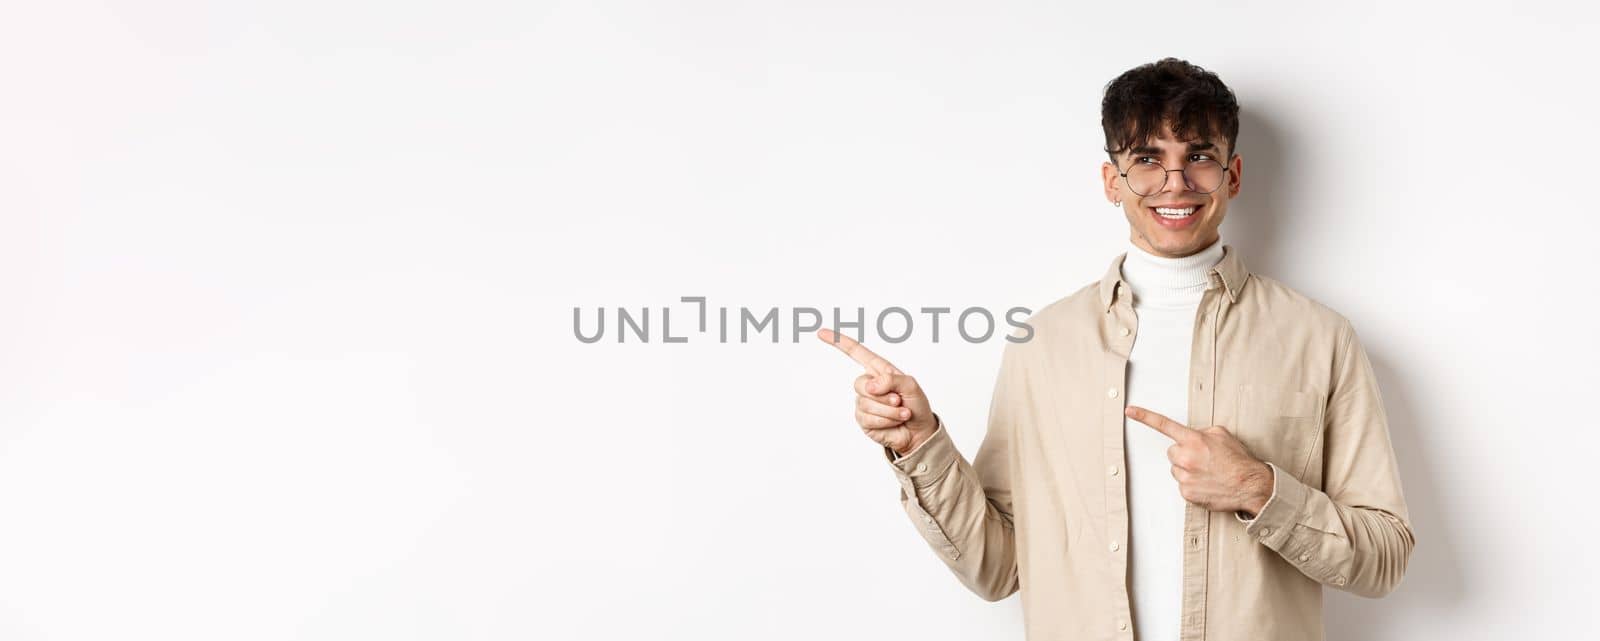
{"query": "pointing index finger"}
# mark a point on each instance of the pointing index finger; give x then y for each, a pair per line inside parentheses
(857, 352)
(1171, 428)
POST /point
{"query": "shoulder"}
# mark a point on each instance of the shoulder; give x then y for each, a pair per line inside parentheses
(1278, 303)
(1064, 321)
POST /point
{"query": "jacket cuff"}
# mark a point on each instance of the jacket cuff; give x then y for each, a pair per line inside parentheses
(928, 462)
(1273, 525)
(1239, 514)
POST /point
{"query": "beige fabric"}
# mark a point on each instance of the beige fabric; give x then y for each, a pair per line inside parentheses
(1042, 507)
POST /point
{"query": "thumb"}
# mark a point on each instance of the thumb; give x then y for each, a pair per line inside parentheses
(905, 385)
(882, 383)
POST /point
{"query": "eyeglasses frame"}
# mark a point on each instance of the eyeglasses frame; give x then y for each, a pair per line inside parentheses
(1166, 171)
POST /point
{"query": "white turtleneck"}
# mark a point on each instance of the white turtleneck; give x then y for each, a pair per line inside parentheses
(1166, 296)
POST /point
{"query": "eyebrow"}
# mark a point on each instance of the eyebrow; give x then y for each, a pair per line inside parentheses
(1148, 150)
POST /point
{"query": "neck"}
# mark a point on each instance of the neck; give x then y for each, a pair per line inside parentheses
(1159, 281)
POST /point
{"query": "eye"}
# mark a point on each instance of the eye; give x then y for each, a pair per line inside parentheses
(1200, 157)
(1142, 159)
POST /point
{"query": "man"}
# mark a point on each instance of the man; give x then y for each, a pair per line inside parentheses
(1184, 449)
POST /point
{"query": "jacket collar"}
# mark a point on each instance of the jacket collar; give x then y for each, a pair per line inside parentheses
(1230, 271)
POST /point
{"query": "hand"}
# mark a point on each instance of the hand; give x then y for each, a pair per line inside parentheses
(1214, 470)
(890, 406)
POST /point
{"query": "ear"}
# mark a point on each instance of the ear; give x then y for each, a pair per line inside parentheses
(1113, 187)
(1236, 167)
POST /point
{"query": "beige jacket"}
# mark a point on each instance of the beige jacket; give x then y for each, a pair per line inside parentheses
(1043, 507)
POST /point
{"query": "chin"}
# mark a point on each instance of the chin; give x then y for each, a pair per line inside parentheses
(1178, 243)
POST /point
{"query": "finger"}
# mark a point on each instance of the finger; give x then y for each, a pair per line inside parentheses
(1173, 429)
(865, 380)
(871, 422)
(901, 384)
(857, 352)
(875, 408)
(1176, 456)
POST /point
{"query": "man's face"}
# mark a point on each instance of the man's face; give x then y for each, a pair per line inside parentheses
(1172, 235)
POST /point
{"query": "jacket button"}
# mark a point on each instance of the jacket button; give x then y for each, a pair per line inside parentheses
(922, 468)
(1124, 331)
(1113, 470)
(1111, 393)
(1122, 626)
(1305, 557)
(1113, 546)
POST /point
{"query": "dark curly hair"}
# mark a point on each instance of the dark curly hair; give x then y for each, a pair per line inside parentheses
(1168, 91)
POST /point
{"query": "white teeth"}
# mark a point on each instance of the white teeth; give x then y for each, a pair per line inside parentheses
(1174, 213)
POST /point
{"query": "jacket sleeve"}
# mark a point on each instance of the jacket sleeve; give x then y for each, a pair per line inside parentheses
(964, 510)
(1354, 533)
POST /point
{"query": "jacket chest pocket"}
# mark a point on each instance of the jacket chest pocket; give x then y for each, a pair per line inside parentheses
(1279, 425)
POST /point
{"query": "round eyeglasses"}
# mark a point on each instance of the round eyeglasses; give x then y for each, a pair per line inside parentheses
(1148, 178)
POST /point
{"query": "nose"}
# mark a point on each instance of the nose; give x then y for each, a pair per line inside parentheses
(1179, 184)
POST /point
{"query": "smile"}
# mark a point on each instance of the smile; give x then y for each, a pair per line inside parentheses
(1176, 217)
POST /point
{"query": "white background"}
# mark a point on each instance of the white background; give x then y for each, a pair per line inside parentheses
(287, 345)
